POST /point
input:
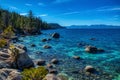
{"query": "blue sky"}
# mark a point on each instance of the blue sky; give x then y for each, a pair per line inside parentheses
(69, 12)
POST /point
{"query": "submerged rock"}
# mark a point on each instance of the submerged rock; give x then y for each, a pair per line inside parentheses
(44, 40)
(47, 47)
(100, 50)
(41, 62)
(39, 52)
(33, 45)
(54, 61)
(93, 39)
(90, 69)
(92, 49)
(19, 58)
(49, 39)
(76, 57)
(56, 35)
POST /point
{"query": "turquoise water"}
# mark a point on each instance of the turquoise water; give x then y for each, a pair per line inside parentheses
(67, 46)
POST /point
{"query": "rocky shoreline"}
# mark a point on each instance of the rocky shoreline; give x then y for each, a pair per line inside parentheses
(15, 59)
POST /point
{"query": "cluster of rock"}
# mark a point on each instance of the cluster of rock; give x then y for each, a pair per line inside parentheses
(53, 74)
(16, 58)
(10, 74)
(13, 59)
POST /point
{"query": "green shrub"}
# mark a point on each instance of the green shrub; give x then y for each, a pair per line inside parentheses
(35, 73)
(15, 52)
(8, 32)
(3, 43)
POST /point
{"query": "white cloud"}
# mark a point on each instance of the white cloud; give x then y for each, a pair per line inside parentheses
(23, 14)
(13, 8)
(110, 9)
(27, 4)
(61, 1)
(42, 15)
(68, 13)
(41, 4)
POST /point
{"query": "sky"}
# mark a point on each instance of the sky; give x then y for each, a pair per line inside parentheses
(69, 12)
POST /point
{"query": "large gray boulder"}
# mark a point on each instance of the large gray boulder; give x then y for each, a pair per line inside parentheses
(10, 74)
(3, 64)
(19, 59)
(3, 57)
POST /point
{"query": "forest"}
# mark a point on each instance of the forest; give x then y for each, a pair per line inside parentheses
(19, 24)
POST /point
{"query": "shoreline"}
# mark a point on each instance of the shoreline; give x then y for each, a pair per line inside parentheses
(66, 62)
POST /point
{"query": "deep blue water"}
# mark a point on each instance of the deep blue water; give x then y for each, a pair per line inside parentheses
(67, 46)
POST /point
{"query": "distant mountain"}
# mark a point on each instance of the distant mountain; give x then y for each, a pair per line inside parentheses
(55, 26)
(101, 26)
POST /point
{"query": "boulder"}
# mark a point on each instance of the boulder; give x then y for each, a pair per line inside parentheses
(56, 35)
(19, 59)
(10, 74)
(93, 39)
(53, 71)
(33, 45)
(51, 77)
(54, 61)
(49, 39)
(100, 50)
(14, 75)
(63, 76)
(44, 40)
(4, 54)
(47, 47)
(76, 57)
(4, 64)
(90, 69)
(49, 65)
(91, 49)
(41, 62)
(21, 46)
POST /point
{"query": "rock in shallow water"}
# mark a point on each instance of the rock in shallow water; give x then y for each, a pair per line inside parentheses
(41, 62)
(90, 69)
(33, 45)
(92, 49)
(47, 47)
(49, 65)
(44, 40)
(54, 61)
(56, 35)
(76, 57)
